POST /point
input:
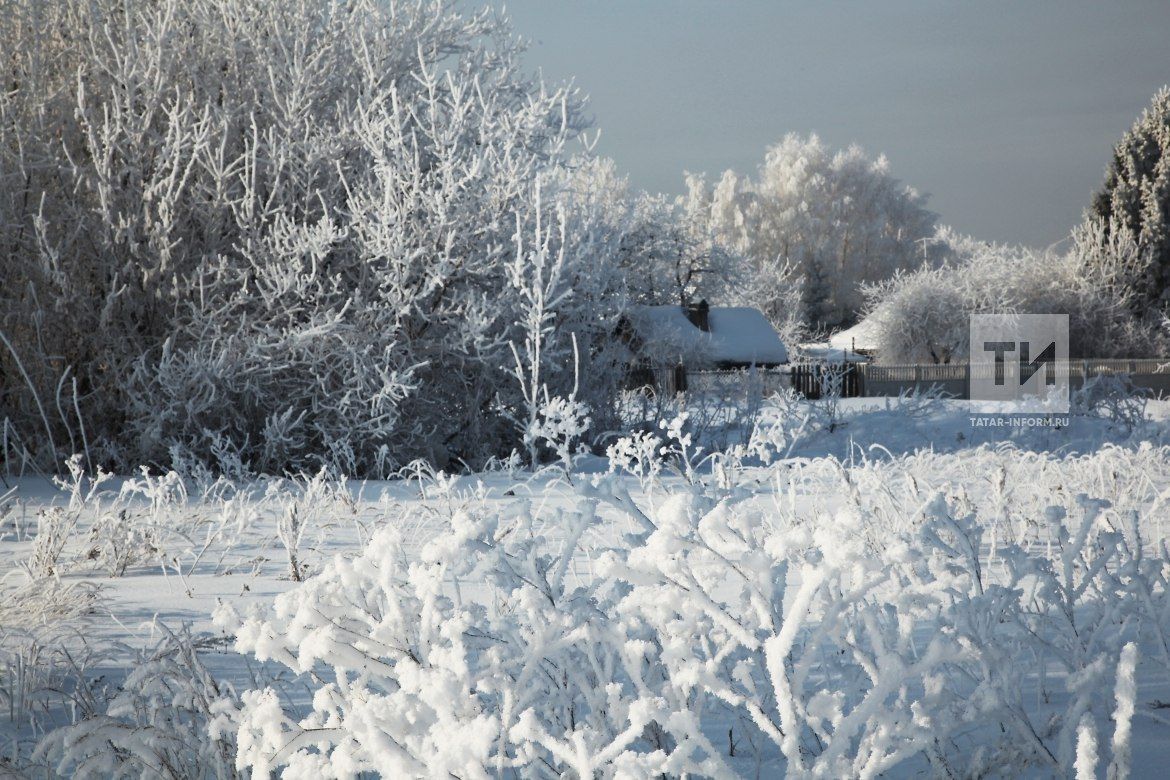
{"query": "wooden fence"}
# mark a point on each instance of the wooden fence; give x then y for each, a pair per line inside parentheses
(868, 380)
(813, 380)
(810, 379)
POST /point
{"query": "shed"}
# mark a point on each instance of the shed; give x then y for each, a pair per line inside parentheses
(861, 339)
(701, 337)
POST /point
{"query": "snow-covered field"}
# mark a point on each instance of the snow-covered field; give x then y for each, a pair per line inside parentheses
(889, 590)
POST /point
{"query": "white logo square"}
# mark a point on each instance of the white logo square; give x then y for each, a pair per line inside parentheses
(1019, 363)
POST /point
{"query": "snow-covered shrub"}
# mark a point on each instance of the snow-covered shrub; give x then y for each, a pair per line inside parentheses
(897, 643)
(964, 615)
(149, 520)
(167, 719)
(785, 422)
(923, 316)
(560, 424)
(302, 505)
(915, 402)
(45, 659)
(539, 681)
(1112, 398)
(639, 454)
(118, 541)
(57, 525)
(788, 419)
(721, 408)
(827, 406)
(672, 445)
(260, 260)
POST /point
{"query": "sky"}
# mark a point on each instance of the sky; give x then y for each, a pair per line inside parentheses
(1004, 111)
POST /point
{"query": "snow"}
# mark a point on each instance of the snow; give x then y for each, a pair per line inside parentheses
(391, 256)
(739, 335)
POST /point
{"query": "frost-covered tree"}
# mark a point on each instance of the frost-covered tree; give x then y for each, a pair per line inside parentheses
(1136, 198)
(816, 295)
(665, 253)
(923, 316)
(838, 216)
(777, 289)
(278, 232)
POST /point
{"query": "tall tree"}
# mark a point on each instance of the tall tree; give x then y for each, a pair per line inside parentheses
(839, 217)
(1136, 198)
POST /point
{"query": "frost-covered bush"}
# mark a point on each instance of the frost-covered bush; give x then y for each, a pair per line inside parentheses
(539, 681)
(56, 525)
(118, 542)
(964, 615)
(560, 424)
(272, 236)
(923, 316)
(787, 420)
(720, 408)
(44, 659)
(639, 454)
(1112, 398)
(149, 521)
(303, 506)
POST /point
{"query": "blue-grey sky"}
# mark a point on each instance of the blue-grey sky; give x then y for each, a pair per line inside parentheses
(1004, 111)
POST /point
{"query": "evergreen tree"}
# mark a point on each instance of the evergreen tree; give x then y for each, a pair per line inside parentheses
(1136, 198)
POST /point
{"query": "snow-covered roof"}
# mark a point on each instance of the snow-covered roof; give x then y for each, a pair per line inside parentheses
(863, 335)
(739, 335)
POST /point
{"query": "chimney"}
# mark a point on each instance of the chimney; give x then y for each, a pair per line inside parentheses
(698, 313)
